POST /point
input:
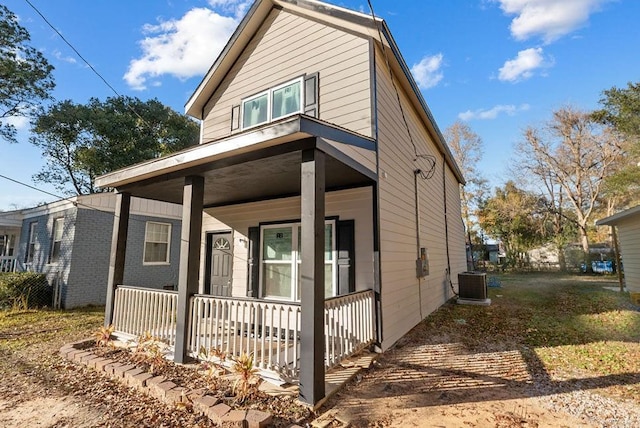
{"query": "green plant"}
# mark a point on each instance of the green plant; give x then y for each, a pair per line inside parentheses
(23, 290)
(103, 336)
(248, 379)
(150, 350)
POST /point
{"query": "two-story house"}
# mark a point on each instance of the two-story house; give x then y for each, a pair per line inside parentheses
(321, 210)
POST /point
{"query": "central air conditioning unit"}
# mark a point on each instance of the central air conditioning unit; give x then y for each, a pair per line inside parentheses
(472, 286)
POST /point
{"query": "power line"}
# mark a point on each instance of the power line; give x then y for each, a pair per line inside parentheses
(85, 61)
(426, 175)
(31, 187)
(76, 203)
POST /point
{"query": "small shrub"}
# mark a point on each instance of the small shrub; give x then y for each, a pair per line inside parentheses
(212, 361)
(150, 350)
(23, 290)
(248, 380)
(103, 336)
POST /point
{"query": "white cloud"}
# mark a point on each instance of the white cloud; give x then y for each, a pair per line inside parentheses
(549, 19)
(184, 47)
(59, 56)
(237, 7)
(523, 65)
(21, 123)
(492, 113)
(427, 72)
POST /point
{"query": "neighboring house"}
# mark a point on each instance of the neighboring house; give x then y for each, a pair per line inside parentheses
(628, 225)
(10, 224)
(321, 209)
(70, 242)
(544, 257)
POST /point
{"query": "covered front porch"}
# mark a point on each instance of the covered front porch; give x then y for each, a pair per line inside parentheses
(298, 306)
(270, 331)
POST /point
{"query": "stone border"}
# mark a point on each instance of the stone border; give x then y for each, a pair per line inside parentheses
(165, 391)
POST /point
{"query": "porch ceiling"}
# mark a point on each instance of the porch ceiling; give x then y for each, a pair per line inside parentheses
(258, 165)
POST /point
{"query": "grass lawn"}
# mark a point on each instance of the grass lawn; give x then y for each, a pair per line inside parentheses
(45, 330)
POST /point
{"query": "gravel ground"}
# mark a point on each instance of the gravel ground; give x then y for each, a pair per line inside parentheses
(590, 406)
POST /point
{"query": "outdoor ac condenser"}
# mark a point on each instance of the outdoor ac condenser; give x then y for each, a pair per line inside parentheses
(472, 285)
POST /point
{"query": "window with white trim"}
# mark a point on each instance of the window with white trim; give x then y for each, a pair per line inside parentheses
(56, 239)
(31, 243)
(280, 273)
(272, 104)
(157, 240)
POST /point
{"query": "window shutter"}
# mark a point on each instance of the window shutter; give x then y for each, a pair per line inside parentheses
(235, 118)
(253, 286)
(311, 93)
(345, 236)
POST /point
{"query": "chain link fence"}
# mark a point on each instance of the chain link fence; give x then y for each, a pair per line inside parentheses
(25, 290)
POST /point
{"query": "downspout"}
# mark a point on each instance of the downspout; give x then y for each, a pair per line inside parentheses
(417, 200)
(377, 300)
(446, 221)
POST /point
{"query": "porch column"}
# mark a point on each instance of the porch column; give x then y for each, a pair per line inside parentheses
(312, 277)
(118, 250)
(190, 238)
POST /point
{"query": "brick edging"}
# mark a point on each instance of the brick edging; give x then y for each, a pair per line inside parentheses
(163, 390)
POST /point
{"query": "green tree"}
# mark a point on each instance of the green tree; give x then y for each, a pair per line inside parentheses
(621, 110)
(81, 142)
(515, 217)
(25, 75)
(467, 148)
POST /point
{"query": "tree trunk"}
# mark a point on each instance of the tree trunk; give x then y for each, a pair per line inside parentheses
(584, 240)
(562, 260)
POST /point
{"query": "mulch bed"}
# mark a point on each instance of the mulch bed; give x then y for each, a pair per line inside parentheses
(284, 409)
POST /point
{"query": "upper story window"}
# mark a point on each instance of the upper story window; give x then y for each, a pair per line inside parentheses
(157, 239)
(272, 104)
(56, 239)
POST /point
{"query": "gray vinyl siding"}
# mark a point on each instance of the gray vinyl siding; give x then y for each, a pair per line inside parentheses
(629, 236)
(87, 281)
(41, 257)
(288, 46)
(405, 299)
(353, 204)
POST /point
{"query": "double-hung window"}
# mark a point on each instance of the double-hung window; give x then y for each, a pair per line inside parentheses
(56, 239)
(281, 261)
(31, 244)
(272, 104)
(157, 239)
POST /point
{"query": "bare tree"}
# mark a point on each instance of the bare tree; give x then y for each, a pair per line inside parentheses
(574, 154)
(467, 148)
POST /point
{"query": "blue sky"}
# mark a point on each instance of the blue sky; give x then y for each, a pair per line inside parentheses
(499, 65)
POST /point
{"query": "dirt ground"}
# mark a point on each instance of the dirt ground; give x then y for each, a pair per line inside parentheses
(430, 378)
(446, 386)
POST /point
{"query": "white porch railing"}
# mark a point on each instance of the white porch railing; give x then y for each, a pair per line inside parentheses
(348, 326)
(270, 331)
(8, 264)
(139, 310)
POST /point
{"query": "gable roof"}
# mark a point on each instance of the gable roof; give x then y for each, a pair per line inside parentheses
(355, 22)
(95, 201)
(618, 217)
